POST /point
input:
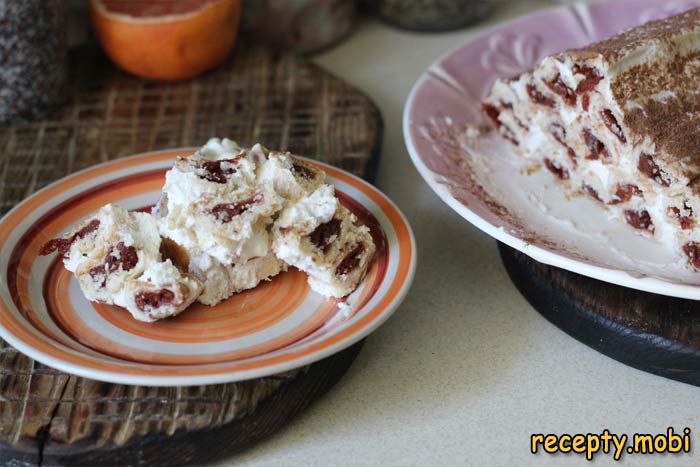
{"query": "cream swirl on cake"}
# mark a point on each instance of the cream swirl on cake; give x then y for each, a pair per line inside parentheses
(213, 203)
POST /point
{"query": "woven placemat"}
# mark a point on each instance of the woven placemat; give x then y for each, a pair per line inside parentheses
(258, 95)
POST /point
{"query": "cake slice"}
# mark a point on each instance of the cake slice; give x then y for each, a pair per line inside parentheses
(319, 236)
(222, 280)
(115, 256)
(233, 217)
(228, 218)
(212, 203)
(618, 121)
(217, 217)
(314, 232)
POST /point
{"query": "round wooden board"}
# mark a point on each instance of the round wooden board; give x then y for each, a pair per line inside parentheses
(266, 405)
(654, 333)
(48, 417)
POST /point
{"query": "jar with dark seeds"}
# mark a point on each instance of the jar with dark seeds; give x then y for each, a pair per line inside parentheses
(33, 60)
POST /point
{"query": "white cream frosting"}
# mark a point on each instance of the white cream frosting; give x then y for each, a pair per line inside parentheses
(190, 198)
(277, 172)
(312, 211)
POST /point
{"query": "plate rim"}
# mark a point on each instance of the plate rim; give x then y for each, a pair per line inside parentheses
(116, 377)
(607, 274)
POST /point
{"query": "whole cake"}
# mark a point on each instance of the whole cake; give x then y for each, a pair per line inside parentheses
(618, 121)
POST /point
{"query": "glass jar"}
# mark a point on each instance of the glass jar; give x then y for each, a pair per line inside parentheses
(431, 15)
(305, 26)
(33, 58)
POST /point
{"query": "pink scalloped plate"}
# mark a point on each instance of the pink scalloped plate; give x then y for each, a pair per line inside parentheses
(485, 182)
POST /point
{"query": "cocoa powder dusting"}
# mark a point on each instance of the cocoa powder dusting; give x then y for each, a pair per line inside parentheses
(659, 95)
(620, 45)
(674, 125)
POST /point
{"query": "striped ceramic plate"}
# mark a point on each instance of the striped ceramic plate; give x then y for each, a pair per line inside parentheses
(275, 327)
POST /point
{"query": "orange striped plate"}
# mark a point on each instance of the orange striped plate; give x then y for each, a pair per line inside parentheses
(278, 326)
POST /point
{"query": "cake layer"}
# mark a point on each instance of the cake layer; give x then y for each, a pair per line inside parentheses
(618, 121)
(220, 280)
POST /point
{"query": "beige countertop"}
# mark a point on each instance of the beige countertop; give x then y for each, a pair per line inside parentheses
(466, 370)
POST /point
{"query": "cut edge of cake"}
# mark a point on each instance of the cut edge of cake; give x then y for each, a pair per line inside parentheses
(619, 122)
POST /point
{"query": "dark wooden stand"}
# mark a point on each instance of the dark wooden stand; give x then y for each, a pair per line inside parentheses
(653, 333)
(48, 417)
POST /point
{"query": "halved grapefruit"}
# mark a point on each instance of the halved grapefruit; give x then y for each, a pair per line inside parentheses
(166, 39)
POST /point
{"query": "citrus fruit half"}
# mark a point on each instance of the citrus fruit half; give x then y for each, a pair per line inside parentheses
(166, 39)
